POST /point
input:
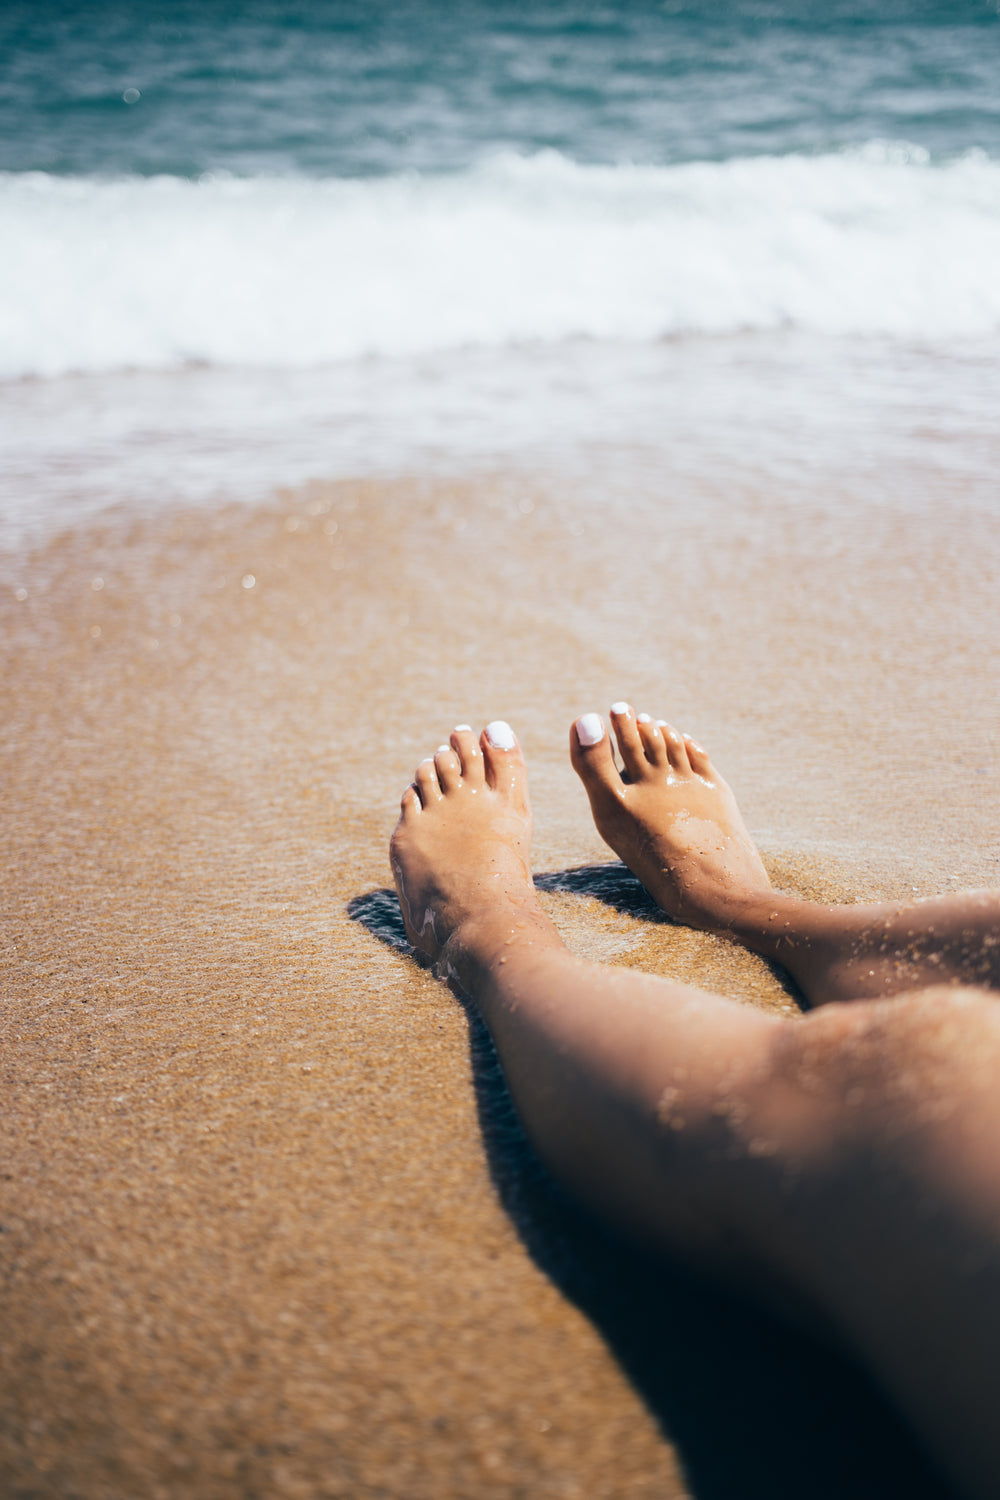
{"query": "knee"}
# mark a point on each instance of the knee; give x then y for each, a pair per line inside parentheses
(858, 1070)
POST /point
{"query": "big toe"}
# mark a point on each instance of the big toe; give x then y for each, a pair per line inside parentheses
(592, 757)
(505, 769)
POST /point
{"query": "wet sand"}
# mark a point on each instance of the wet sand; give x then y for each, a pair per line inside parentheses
(268, 1228)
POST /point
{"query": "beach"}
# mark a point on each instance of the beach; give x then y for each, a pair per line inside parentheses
(267, 1229)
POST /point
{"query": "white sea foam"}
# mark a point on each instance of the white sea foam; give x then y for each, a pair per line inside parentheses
(98, 275)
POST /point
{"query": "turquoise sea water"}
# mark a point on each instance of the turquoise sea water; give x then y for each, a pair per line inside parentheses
(360, 90)
(319, 239)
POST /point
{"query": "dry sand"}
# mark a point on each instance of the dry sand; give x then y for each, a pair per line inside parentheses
(268, 1229)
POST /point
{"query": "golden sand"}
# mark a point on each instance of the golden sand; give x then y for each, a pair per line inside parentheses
(268, 1229)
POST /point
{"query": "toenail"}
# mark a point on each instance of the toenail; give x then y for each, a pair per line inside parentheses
(500, 735)
(442, 749)
(590, 729)
(463, 728)
(620, 708)
(644, 718)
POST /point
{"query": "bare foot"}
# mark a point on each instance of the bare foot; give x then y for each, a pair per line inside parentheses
(460, 853)
(675, 823)
(670, 817)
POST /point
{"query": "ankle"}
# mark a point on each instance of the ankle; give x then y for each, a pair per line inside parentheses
(489, 947)
(766, 921)
(715, 906)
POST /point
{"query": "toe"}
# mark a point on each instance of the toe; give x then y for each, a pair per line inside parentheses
(629, 741)
(448, 767)
(593, 762)
(466, 747)
(426, 782)
(502, 758)
(697, 759)
(409, 805)
(652, 741)
(674, 745)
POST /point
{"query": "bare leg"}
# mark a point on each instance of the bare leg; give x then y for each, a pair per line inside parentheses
(675, 823)
(848, 1156)
(589, 1079)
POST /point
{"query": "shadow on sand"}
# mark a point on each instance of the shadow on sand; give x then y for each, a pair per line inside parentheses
(754, 1409)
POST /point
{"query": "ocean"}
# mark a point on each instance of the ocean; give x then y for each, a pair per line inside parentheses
(243, 246)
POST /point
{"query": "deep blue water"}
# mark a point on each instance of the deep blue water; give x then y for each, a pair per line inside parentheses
(336, 88)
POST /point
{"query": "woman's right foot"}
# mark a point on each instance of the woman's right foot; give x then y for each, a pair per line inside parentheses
(675, 823)
(670, 817)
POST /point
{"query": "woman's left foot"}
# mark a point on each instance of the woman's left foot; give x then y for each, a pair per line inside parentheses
(460, 853)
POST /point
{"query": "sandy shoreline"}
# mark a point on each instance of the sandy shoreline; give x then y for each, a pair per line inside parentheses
(264, 1229)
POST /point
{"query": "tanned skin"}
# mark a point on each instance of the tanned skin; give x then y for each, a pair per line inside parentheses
(850, 1156)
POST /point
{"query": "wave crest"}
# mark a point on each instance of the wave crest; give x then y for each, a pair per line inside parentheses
(153, 273)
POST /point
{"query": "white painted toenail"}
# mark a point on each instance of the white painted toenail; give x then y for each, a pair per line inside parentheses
(620, 708)
(442, 749)
(459, 728)
(644, 719)
(661, 723)
(590, 729)
(500, 735)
